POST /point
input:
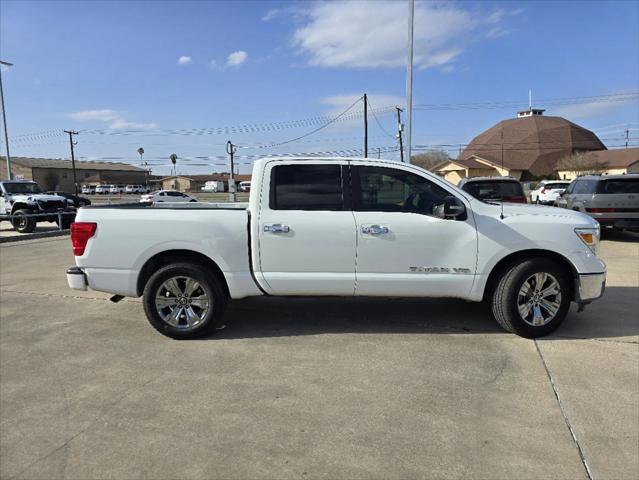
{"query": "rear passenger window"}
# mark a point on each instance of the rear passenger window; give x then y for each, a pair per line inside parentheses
(306, 187)
(630, 185)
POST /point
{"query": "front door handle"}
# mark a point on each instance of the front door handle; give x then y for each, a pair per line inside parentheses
(375, 229)
(276, 228)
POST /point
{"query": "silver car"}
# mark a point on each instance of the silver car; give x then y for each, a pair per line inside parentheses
(612, 200)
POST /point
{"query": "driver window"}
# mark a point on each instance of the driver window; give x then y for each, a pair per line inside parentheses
(384, 189)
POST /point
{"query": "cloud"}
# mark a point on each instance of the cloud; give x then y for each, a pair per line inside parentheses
(338, 103)
(498, 32)
(590, 109)
(233, 60)
(272, 14)
(184, 59)
(374, 34)
(93, 115)
(236, 59)
(112, 118)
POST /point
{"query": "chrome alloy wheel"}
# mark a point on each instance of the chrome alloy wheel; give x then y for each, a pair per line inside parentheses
(182, 302)
(539, 299)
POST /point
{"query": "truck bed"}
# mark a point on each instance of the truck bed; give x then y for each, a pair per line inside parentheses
(125, 241)
(173, 206)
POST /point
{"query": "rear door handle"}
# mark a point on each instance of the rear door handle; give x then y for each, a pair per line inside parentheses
(276, 228)
(375, 229)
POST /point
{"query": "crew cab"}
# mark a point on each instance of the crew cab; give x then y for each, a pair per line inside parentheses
(339, 226)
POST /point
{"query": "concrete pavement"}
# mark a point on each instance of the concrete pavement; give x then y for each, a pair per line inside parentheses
(312, 388)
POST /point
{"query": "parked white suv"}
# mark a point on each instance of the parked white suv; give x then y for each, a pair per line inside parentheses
(347, 227)
(548, 191)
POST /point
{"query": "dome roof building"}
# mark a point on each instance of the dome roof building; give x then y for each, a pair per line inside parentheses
(529, 145)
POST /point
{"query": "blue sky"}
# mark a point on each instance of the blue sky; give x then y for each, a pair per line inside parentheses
(135, 72)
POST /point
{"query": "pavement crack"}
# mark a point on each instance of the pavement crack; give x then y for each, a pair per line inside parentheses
(563, 412)
(605, 340)
(104, 412)
(500, 372)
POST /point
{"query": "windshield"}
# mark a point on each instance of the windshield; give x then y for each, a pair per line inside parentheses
(488, 189)
(22, 187)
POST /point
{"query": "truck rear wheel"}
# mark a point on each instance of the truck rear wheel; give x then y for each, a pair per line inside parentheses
(532, 298)
(22, 222)
(184, 301)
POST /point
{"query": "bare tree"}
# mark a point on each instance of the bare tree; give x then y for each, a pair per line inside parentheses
(579, 163)
(429, 159)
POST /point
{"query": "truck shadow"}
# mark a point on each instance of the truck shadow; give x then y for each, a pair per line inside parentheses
(615, 315)
(617, 236)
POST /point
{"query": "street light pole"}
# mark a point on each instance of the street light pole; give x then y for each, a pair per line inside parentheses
(409, 81)
(4, 120)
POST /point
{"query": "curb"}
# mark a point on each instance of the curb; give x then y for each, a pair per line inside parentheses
(33, 236)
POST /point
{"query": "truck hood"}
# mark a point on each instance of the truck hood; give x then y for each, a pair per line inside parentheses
(21, 197)
(562, 215)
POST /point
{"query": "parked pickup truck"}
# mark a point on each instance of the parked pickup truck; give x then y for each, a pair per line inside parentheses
(347, 227)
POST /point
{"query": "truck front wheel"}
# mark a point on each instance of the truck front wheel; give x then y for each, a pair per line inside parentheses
(22, 221)
(532, 298)
(184, 301)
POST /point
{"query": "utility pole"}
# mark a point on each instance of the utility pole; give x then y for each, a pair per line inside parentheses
(409, 79)
(365, 126)
(627, 137)
(231, 149)
(4, 120)
(72, 143)
(400, 129)
(379, 152)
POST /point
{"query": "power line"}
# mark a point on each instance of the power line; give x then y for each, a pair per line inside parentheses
(621, 97)
(378, 122)
(317, 129)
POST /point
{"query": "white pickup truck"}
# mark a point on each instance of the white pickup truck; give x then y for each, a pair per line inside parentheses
(340, 226)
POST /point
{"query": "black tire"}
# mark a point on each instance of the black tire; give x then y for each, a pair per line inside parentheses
(191, 201)
(210, 285)
(506, 293)
(22, 222)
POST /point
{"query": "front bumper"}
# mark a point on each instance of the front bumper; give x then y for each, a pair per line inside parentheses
(76, 279)
(589, 287)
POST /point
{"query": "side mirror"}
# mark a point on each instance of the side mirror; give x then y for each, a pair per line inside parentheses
(454, 208)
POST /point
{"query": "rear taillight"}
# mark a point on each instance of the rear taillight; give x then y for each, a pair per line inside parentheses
(80, 234)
